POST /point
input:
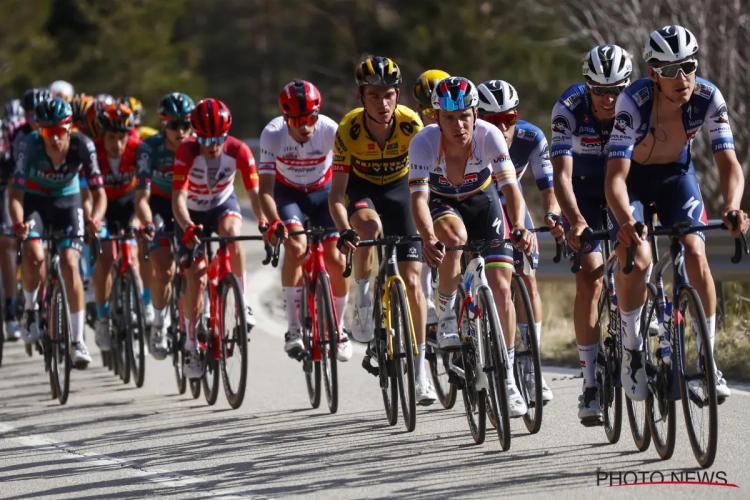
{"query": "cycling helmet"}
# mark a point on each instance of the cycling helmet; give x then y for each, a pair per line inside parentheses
(136, 107)
(607, 64)
(669, 44)
(61, 88)
(497, 96)
(13, 111)
(32, 97)
(425, 84)
(455, 93)
(116, 118)
(299, 97)
(175, 106)
(81, 104)
(379, 72)
(51, 112)
(211, 118)
(105, 99)
(91, 120)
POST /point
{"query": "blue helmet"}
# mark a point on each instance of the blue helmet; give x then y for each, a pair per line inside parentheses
(175, 106)
(53, 112)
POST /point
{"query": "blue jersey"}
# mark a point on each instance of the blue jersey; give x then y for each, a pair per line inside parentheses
(155, 165)
(529, 148)
(633, 118)
(576, 133)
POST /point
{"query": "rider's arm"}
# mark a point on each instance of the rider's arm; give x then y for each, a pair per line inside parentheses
(246, 165)
(541, 167)
(15, 204)
(94, 182)
(505, 175)
(563, 123)
(339, 181)
(17, 185)
(143, 184)
(183, 160)
(267, 171)
(419, 185)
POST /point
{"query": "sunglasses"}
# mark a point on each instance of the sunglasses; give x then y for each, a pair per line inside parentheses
(302, 120)
(672, 70)
(509, 118)
(208, 141)
(177, 124)
(602, 90)
(58, 131)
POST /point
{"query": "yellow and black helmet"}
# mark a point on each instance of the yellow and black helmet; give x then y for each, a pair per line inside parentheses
(425, 84)
(378, 71)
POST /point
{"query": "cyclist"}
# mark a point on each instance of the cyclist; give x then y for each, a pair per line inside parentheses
(203, 200)
(7, 243)
(136, 106)
(31, 98)
(61, 88)
(498, 104)
(13, 113)
(45, 192)
(454, 200)
(370, 195)
(638, 173)
(116, 154)
(156, 158)
(581, 123)
(81, 105)
(423, 88)
(295, 178)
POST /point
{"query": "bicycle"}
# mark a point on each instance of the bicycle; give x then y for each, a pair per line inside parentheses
(394, 343)
(225, 294)
(667, 367)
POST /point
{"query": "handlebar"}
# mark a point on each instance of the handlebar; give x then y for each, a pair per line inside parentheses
(378, 242)
(223, 241)
(587, 236)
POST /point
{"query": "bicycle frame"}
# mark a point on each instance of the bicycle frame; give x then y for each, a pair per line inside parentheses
(389, 269)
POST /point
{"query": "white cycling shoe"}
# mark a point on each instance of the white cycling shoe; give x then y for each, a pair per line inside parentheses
(192, 368)
(588, 405)
(103, 336)
(158, 342)
(29, 327)
(425, 392)
(362, 327)
(447, 334)
(633, 374)
(81, 356)
(345, 349)
(516, 404)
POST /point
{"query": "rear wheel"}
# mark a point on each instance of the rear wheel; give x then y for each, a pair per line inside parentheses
(233, 341)
(59, 330)
(119, 330)
(403, 354)
(135, 326)
(329, 341)
(610, 396)
(310, 367)
(176, 336)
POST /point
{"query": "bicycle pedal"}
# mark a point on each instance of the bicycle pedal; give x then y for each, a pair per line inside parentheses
(81, 365)
(721, 401)
(300, 356)
(456, 380)
(430, 355)
(367, 365)
(592, 422)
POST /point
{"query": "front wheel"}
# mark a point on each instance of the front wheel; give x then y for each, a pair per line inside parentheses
(638, 410)
(475, 401)
(403, 353)
(135, 326)
(610, 395)
(59, 331)
(329, 341)
(309, 366)
(233, 341)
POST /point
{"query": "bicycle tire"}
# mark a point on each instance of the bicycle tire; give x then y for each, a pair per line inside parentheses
(176, 335)
(195, 387)
(610, 396)
(309, 367)
(494, 344)
(237, 344)
(533, 417)
(403, 354)
(639, 427)
(705, 457)
(387, 373)
(211, 369)
(118, 332)
(135, 333)
(474, 401)
(329, 341)
(59, 328)
(446, 395)
(663, 439)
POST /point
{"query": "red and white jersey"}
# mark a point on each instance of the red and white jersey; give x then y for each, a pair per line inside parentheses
(210, 183)
(305, 167)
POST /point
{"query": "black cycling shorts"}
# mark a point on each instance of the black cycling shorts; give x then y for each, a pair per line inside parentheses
(59, 214)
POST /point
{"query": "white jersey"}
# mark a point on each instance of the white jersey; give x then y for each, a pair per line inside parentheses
(489, 157)
(305, 167)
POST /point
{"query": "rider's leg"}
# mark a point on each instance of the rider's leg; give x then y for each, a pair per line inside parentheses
(192, 310)
(366, 223)
(335, 264)
(586, 315)
(163, 270)
(410, 271)
(450, 229)
(69, 259)
(231, 225)
(429, 293)
(146, 276)
(291, 286)
(8, 276)
(32, 262)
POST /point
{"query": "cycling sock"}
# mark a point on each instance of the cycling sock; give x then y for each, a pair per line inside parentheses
(711, 324)
(191, 326)
(587, 355)
(292, 299)
(340, 305)
(631, 322)
(420, 375)
(429, 293)
(511, 361)
(524, 329)
(538, 326)
(77, 322)
(102, 310)
(445, 305)
(146, 296)
(363, 291)
(159, 317)
(30, 297)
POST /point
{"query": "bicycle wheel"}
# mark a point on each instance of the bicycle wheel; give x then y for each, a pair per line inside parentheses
(195, 387)
(475, 401)
(176, 336)
(233, 341)
(403, 354)
(211, 367)
(309, 367)
(59, 329)
(329, 341)
(386, 366)
(446, 392)
(495, 362)
(528, 360)
(697, 379)
(660, 410)
(135, 325)
(610, 395)
(637, 411)
(119, 332)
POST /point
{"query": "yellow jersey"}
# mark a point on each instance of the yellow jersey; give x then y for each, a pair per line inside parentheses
(356, 152)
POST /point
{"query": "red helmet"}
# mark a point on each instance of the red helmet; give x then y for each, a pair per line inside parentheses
(299, 97)
(211, 118)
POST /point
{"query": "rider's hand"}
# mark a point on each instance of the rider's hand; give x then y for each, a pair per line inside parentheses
(271, 234)
(742, 220)
(431, 254)
(92, 228)
(574, 235)
(148, 231)
(190, 238)
(349, 239)
(554, 222)
(526, 243)
(22, 230)
(262, 226)
(628, 235)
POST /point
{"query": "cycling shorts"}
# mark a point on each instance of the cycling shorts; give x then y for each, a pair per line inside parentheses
(6, 225)
(393, 204)
(518, 255)
(483, 218)
(293, 205)
(589, 193)
(674, 190)
(119, 215)
(210, 220)
(59, 214)
(161, 211)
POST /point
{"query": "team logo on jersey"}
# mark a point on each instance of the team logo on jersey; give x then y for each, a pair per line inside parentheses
(392, 146)
(704, 90)
(407, 128)
(545, 152)
(529, 135)
(591, 142)
(623, 121)
(560, 124)
(641, 96)
(721, 116)
(572, 101)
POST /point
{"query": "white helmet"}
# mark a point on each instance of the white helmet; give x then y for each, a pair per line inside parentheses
(669, 44)
(62, 88)
(607, 64)
(497, 96)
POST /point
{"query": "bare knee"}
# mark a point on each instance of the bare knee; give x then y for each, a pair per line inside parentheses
(294, 251)
(367, 228)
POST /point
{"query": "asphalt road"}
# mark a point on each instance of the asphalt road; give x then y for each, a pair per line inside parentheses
(115, 441)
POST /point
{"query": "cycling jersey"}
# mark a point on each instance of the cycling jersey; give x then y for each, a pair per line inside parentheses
(205, 191)
(305, 167)
(357, 152)
(146, 132)
(119, 174)
(18, 135)
(529, 147)
(633, 118)
(156, 166)
(6, 168)
(35, 173)
(489, 157)
(576, 133)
